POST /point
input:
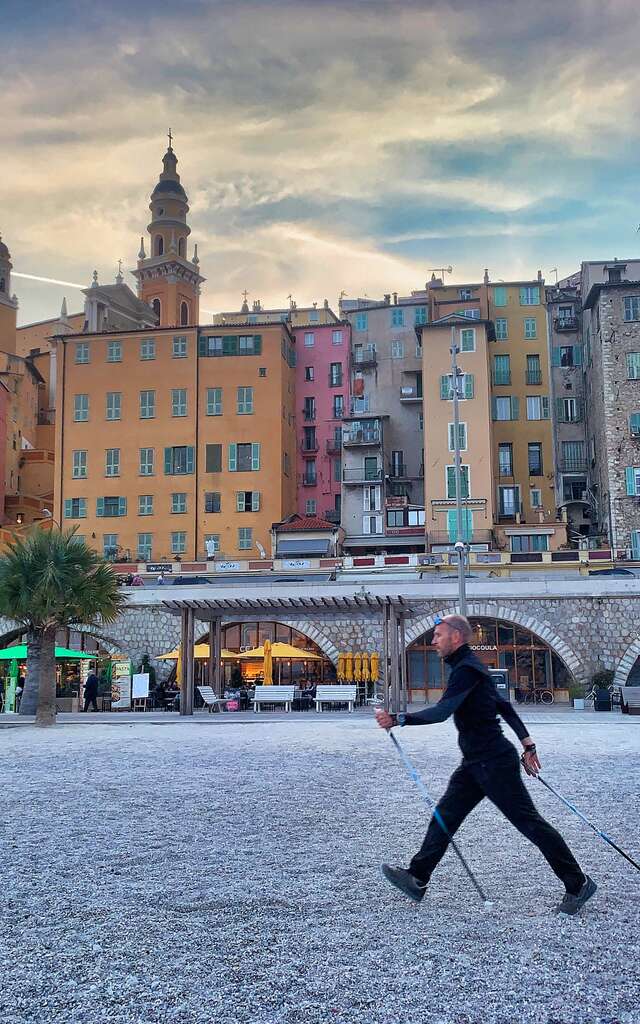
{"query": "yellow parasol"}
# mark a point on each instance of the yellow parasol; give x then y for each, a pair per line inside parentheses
(375, 667)
(200, 653)
(179, 667)
(268, 664)
(366, 674)
(280, 650)
(340, 669)
(348, 674)
(357, 667)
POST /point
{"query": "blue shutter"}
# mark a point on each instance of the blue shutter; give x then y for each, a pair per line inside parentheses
(452, 526)
(233, 458)
(168, 461)
(467, 524)
(555, 356)
(494, 408)
(255, 456)
(577, 355)
(634, 423)
(202, 345)
(257, 344)
(445, 389)
(68, 508)
(468, 385)
(99, 506)
(545, 407)
(635, 545)
(122, 506)
(190, 458)
(515, 408)
(631, 480)
(464, 481)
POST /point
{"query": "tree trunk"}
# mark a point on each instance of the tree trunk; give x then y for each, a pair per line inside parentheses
(46, 713)
(29, 700)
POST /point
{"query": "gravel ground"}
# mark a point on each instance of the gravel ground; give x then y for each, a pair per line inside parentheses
(225, 871)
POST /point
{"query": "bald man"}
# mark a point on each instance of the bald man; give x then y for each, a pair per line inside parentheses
(490, 768)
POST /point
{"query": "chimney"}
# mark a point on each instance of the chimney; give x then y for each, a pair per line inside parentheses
(539, 277)
(486, 275)
(387, 299)
(395, 298)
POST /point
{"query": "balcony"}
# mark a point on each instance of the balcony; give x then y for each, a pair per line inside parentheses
(565, 323)
(502, 380)
(308, 447)
(442, 537)
(573, 465)
(534, 376)
(308, 414)
(309, 481)
(399, 471)
(409, 393)
(331, 515)
(365, 360)
(334, 446)
(447, 504)
(363, 438)
(361, 475)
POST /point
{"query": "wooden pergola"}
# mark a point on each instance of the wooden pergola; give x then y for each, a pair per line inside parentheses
(392, 610)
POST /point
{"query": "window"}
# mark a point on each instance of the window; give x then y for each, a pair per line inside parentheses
(573, 457)
(244, 458)
(534, 372)
(397, 317)
(212, 501)
(530, 327)
(213, 458)
(81, 408)
(309, 439)
(462, 437)
(451, 481)
(111, 506)
(634, 424)
(79, 471)
(336, 337)
(214, 401)
(75, 508)
(262, 371)
(530, 542)
(147, 405)
(245, 538)
(372, 498)
(502, 329)
(468, 339)
(155, 305)
(314, 316)
(500, 296)
(535, 497)
(465, 386)
(530, 296)
(230, 345)
(359, 405)
(179, 402)
(569, 410)
(310, 476)
(633, 365)
(144, 547)
(309, 408)
(114, 405)
(250, 345)
(178, 542)
(465, 293)
(145, 504)
(505, 459)
(212, 544)
(308, 373)
(537, 407)
(535, 458)
(114, 351)
(148, 349)
(632, 307)
(184, 307)
(338, 407)
(395, 518)
(178, 503)
(179, 460)
(146, 461)
(372, 524)
(179, 347)
(109, 545)
(501, 370)
(247, 501)
(309, 339)
(210, 346)
(112, 462)
(82, 352)
(244, 403)
(505, 408)
(362, 321)
(397, 463)
(310, 507)
(397, 349)
(508, 501)
(335, 375)
(567, 355)
(416, 517)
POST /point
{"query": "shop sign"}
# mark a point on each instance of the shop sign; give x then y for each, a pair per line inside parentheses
(228, 566)
(140, 685)
(483, 647)
(159, 566)
(296, 563)
(121, 683)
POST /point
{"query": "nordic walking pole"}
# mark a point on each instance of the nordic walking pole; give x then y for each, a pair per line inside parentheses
(599, 832)
(413, 774)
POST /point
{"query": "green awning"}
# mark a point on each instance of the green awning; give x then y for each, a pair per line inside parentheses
(19, 653)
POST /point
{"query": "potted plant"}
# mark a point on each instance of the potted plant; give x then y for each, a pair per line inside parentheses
(576, 695)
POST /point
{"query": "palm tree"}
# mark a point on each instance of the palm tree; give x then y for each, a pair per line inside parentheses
(49, 580)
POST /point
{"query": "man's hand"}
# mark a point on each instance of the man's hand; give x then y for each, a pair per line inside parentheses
(385, 720)
(529, 758)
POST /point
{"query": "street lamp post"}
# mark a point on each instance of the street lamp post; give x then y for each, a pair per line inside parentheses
(460, 546)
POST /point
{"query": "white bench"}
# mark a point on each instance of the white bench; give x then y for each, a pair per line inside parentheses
(211, 702)
(273, 695)
(335, 695)
(630, 697)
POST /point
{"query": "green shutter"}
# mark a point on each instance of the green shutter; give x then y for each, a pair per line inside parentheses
(545, 407)
(631, 480)
(634, 424)
(100, 507)
(579, 410)
(635, 545)
(239, 501)
(168, 461)
(202, 345)
(452, 437)
(555, 356)
(255, 456)
(559, 410)
(190, 458)
(68, 506)
(468, 385)
(122, 506)
(464, 481)
(255, 501)
(467, 524)
(515, 408)
(577, 355)
(213, 458)
(257, 344)
(445, 388)
(499, 296)
(229, 345)
(494, 408)
(451, 481)
(452, 526)
(233, 458)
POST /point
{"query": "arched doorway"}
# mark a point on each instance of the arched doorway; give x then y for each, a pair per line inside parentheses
(238, 637)
(499, 644)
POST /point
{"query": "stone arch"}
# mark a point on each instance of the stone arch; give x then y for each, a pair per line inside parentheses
(626, 663)
(481, 609)
(303, 626)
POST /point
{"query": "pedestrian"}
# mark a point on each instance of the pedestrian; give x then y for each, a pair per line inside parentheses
(489, 767)
(91, 692)
(160, 580)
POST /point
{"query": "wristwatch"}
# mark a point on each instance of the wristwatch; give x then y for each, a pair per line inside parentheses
(401, 718)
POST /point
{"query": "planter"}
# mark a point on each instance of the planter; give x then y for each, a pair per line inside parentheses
(578, 703)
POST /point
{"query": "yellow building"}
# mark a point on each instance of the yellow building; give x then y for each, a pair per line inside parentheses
(303, 316)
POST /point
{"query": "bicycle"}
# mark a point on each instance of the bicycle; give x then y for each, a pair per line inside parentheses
(539, 696)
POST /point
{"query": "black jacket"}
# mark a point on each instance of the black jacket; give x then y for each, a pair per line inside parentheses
(91, 686)
(474, 702)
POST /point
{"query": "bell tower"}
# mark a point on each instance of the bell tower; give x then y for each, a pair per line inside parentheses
(8, 303)
(167, 280)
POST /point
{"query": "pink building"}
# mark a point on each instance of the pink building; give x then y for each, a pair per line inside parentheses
(323, 398)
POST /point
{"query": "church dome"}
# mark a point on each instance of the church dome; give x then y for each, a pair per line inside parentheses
(4, 252)
(169, 187)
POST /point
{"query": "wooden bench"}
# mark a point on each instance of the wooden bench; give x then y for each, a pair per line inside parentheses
(211, 702)
(630, 699)
(335, 695)
(273, 695)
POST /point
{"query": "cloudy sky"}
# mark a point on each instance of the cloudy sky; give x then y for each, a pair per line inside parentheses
(324, 146)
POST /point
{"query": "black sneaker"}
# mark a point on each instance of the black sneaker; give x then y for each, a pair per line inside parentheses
(571, 904)
(405, 882)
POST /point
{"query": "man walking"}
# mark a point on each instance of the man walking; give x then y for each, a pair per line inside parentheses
(91, 692)
(489, 768)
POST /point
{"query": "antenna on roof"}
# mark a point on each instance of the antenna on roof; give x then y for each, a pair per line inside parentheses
(442, 270)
